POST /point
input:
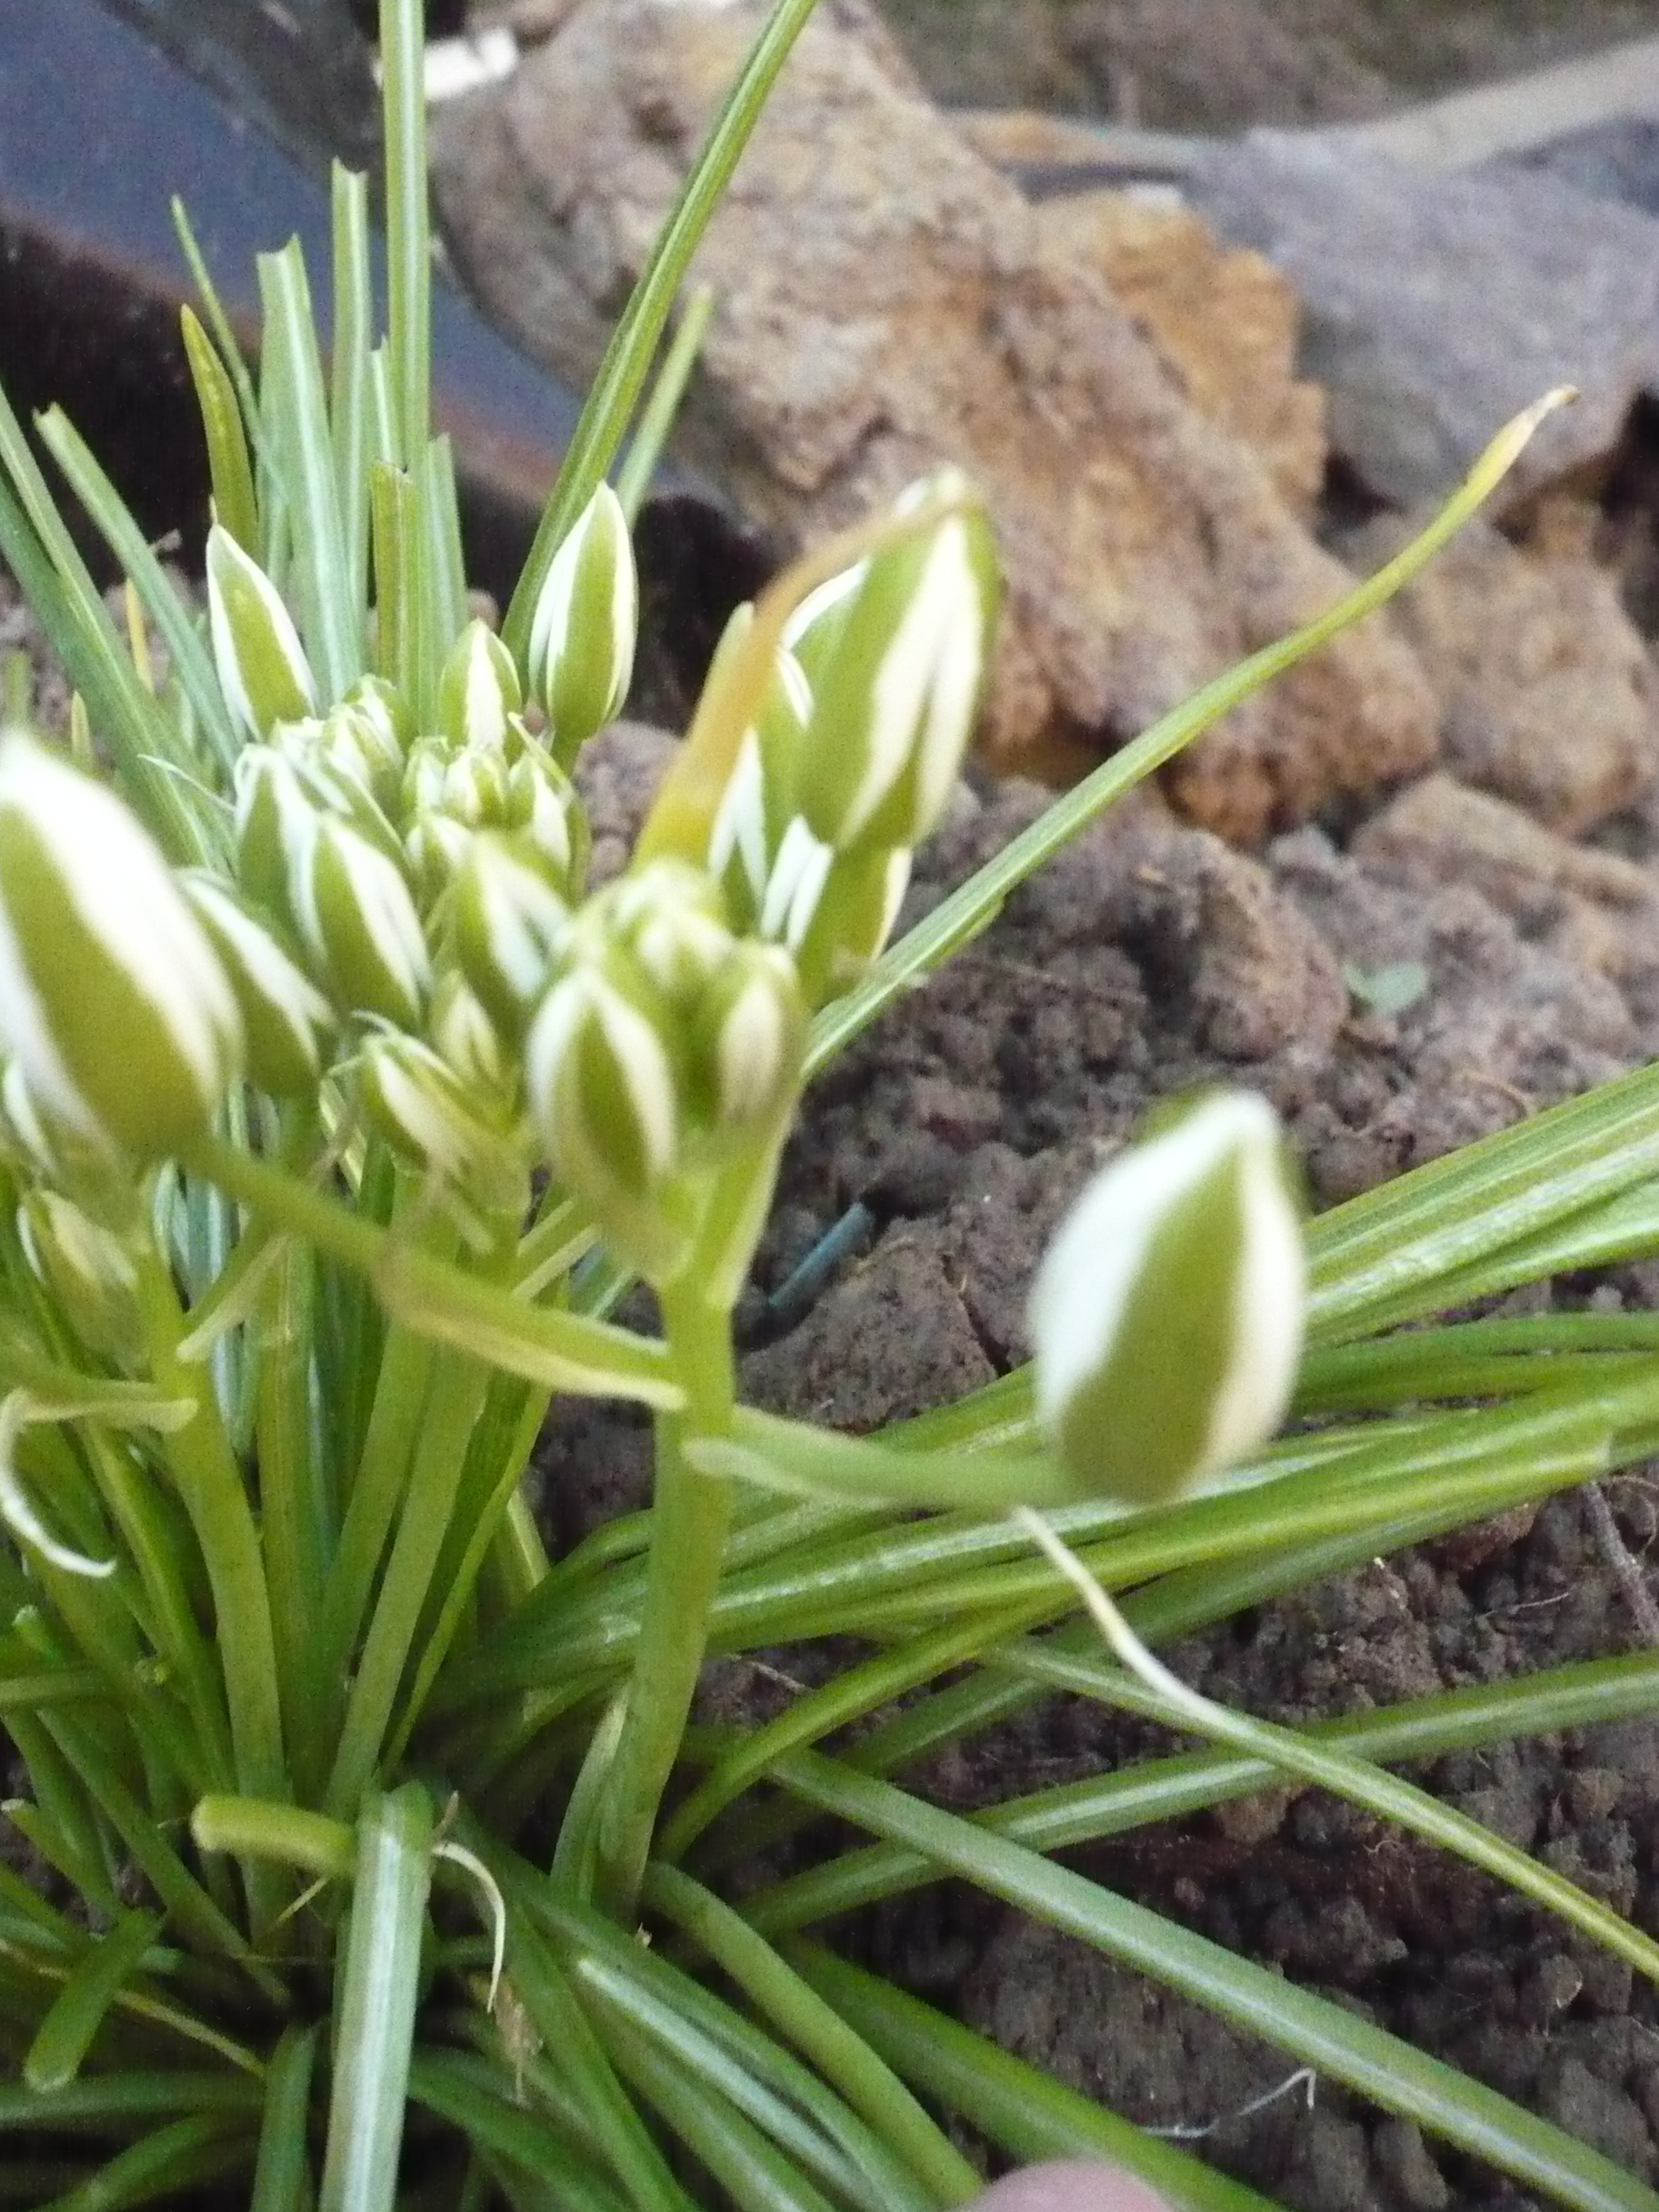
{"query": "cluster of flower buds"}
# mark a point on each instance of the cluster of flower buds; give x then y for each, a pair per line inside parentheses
(851, 760)
(665, 1047)
(1166, 1319)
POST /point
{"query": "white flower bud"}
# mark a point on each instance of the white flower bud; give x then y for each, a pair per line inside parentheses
(894, 699)
(289, 1025)
(427, 1114)
(112, 1002)
(263, 670)
(582, 632)
(1167, 1315)
(509, 925)
(478, 689)
(360, 925)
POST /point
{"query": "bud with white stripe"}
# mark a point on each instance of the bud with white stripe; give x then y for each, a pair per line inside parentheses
(289, 1025)
(582, 633)
(509, 925)
(113, 1004)
(262, 665)
(478, 689)
(1167, 1315)
(360, 926)
(88, 1272)
(895, 697)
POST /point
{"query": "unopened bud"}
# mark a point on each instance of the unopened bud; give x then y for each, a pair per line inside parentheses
(466, 1040)
(276, 820)
(509, 925)
(894, 700)
(582, 633)
(478, 689)
(263, 670)
(355, 912)
(1167, 1315)
(112, 1002)
(606, 1094)
(745, 1042)
(545, 811)
(850, 920)
(288, 1024)
(88, 1272)
(430, 1116)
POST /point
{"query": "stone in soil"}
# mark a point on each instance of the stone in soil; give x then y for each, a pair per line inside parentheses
(885, 302)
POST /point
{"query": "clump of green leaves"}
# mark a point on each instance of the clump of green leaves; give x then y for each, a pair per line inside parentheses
(337, 1111)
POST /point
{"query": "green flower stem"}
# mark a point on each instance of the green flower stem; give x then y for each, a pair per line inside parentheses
(394, 1424)
(564, 1351)
(210, 1484)
(292, 1522)
(689, 1524)
(456, 1393)
(129, 1495)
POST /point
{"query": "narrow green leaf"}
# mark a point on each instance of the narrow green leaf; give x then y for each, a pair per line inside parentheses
(376, 2020)
(1026, 2112)
(229, 468)
(350, 396)
(1317, 2032)
(76, 2012)
(281, 2172)
(646, 447)
(224, 338)
(330, 616)
(445, 566)
(616, 389)
(176, 2159)
(191, 662)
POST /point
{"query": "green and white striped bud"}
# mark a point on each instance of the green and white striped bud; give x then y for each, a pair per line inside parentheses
(379, 699)
(289, 1025)
(582, 633)
(478, 689)
(745, 1038)
(844, 930)
(1167, 1315)
(544, 810)
(759, 801)
(429, 1116)
(358, 922)
(468, 785)
(670, 917)
(88, 1272)
(263, 670)
(112, 1001)
(509, 926)
(812, 632)
(435, 847)
(604, 1086)
(894, 700)
(276, 819)
(467, 1040)
(359, 745)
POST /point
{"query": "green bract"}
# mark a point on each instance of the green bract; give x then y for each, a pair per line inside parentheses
(112, 1003)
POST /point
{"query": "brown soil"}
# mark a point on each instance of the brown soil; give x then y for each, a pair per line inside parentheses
(1232, 63)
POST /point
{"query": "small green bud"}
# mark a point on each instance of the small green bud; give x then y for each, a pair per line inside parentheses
(1167, 1315)
(360, 925)
(745, 1042)
(478, 689)
(670, 917)
(430, 1116)
(544, 810)
(814, 629)
(582, 632)
(360, 746)
(435, 846)
(335, 774)
(112, 1001)
(606, 1093)
(849, 922)
(263, 670)
(759, 800)
(276, 820)
(466, 1040)
(894, 700)
(379, 700)
(509, 926)
(468, 785)
(87, 1271)
(289, 1024)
